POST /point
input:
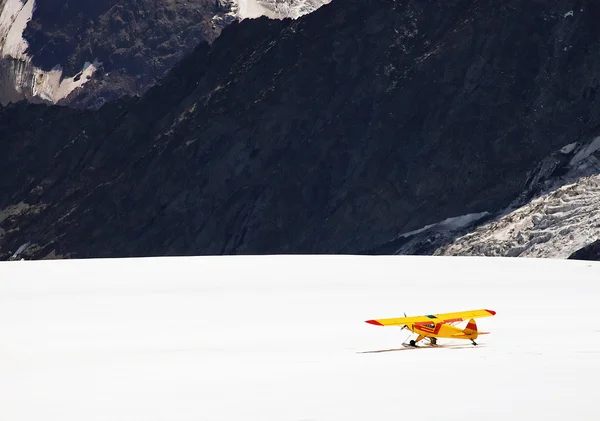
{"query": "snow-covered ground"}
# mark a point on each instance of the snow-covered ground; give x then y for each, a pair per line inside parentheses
(283, 338)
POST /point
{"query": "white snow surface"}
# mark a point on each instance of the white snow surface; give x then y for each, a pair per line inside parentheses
(251, 9)
(283, 338)
(277, 8)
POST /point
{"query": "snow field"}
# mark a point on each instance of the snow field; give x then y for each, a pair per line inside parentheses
(284, 338)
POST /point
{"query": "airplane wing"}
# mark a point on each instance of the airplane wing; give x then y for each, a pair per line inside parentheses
(458, 316)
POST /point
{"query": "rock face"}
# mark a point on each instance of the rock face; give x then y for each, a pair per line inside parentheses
(555, 215)
(589, 252)
(126, 46)
(333, 133)
(133, 43)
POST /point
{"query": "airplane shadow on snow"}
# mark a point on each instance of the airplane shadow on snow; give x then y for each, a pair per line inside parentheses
(449, 346)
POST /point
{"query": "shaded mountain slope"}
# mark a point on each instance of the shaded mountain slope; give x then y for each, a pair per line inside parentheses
(589, 252)
(333, 133)
(136, 41)
(50, 48)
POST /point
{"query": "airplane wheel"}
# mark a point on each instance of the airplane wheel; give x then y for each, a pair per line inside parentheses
(412, 343)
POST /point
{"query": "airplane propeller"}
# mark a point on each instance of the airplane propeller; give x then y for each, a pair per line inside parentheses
(405, 326)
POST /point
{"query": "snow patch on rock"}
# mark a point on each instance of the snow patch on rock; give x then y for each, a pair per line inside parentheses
(449, 224)
(586, 152)
(13, 21)
(276, 9)
(567, 149)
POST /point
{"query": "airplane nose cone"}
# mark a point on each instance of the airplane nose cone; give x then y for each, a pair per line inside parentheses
(373, 322)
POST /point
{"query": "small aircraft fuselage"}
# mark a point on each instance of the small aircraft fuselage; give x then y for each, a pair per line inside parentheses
(442, 330)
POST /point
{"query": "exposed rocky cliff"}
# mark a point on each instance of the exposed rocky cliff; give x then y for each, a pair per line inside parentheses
(50, 48)
(556, 214)
(136, 41)
(332, 133)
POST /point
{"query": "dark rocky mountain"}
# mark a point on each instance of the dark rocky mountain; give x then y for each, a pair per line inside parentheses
(86, 52)
(122, 34)
(136, 41)
(333, 133)
(589, 252)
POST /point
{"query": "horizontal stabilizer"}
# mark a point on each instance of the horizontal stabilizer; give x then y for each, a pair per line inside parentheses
(462, 335)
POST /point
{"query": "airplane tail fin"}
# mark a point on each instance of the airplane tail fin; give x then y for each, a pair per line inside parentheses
(471, 329)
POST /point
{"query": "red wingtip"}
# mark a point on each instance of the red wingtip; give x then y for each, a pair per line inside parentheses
(492, 312)
(374, 322)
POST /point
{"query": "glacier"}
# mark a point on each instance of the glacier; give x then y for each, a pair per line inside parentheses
(284, 338)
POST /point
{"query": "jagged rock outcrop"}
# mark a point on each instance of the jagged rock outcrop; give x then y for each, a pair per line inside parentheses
(332, 133)
(556, 213)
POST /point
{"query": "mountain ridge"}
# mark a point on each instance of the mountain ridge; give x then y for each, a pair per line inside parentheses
(332, 133)
(85, 53)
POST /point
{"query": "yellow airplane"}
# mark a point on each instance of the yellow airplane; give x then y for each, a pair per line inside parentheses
(435, 326)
